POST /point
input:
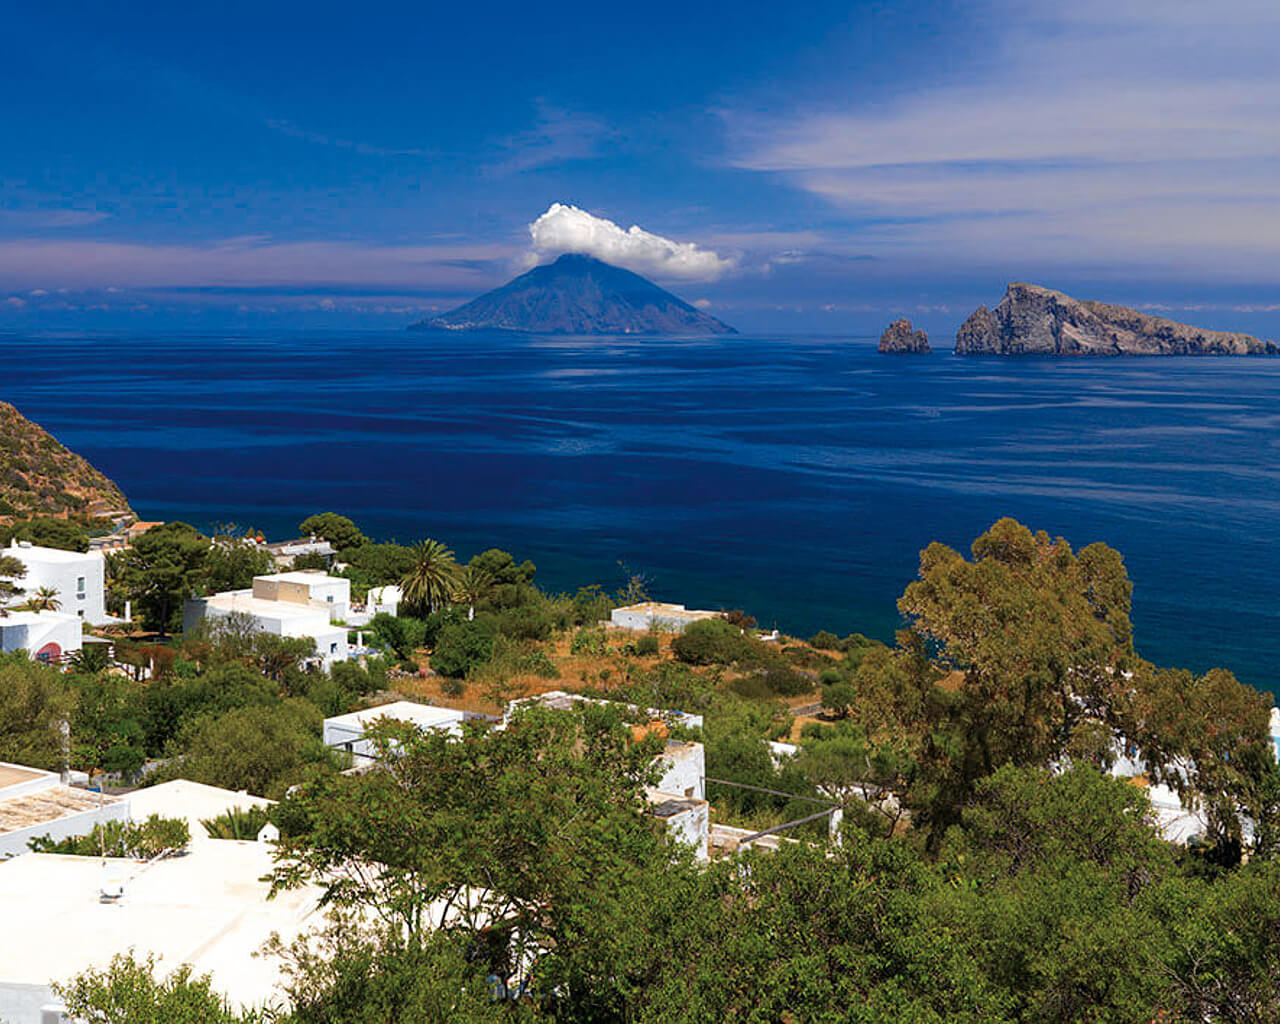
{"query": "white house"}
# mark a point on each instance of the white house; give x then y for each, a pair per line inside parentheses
(671, 618)
(307, 586)
(279, 617)
(78, 577)
(46, 636)
(347, 732)
(379, 600)
(207, 908)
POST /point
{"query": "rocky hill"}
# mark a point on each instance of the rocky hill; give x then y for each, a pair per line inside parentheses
(40, 477)
(1031, 320)
(578, 295)
(899, 339)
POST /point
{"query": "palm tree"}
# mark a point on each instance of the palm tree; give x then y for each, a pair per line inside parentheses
(430, 581)
(473, 587)
(45, 599)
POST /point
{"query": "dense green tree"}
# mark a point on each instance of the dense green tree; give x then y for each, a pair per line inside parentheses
(502, 568)
(161, 570)
(263, 749)
(461, 647)
(429, 583)
(533, 836)
(35, 705)
(338, 530)
(710, 642)
(375, 565)
(47, 532)
(232, 562)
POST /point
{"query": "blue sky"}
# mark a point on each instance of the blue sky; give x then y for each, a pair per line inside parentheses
(816, 168)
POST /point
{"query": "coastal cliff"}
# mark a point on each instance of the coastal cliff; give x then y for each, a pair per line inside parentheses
(899, 339)
(578, 295)
(39, 476)
(1031, 320)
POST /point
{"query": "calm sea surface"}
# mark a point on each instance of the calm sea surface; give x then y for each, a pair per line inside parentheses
(797, 479)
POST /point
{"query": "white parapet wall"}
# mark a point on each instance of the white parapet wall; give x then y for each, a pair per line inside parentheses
(35, 803)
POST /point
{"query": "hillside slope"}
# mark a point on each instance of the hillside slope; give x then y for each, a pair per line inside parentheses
(39, 476)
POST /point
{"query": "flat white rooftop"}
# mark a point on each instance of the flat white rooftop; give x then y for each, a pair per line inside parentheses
(191, 801)
(207, 908)
(425, 716)
(244, 601)
(49, 556)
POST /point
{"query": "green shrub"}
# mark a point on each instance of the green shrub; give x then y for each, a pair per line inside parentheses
(825, 641)
(525, 622)
(829, 676)
(839, 697)
(647, 646)
(461, 648)
(237, 823)
(588, 641)
(710, 642)
(453, 687)
(137, 841)
(753, 687)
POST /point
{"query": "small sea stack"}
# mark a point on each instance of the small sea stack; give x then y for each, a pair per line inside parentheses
(899, 339)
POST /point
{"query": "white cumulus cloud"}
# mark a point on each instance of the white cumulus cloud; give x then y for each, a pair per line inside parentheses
(566, 228)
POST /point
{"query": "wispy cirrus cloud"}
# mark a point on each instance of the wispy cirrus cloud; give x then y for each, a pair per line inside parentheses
(558, 136)
(248, 262)
(1107, 133)
(321, 139)
(39, 218)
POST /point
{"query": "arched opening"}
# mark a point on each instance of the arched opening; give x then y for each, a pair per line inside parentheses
(49, 653)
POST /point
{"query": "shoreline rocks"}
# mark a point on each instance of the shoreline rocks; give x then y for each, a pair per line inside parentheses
(899, 339)
(1032, 320)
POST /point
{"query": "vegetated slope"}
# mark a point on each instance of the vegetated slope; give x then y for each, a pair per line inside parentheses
(1031, 320)
(578, 295)
(39, 476)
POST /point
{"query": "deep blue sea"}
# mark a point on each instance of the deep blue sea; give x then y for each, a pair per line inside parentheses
(797, 479)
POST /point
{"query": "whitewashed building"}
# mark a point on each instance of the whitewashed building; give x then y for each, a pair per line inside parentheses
(292, 604)
(347, 732)
(307, 585)
(78, 577)
(207, 908)
(46, 636)
(669, 618)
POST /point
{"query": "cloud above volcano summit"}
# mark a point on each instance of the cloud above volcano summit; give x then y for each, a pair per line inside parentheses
(564, 229)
